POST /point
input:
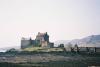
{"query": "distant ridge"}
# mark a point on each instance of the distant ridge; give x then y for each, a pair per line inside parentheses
(89, 41)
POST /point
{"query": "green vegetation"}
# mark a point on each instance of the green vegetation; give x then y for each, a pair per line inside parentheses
(42, 49)
(71, 63)
(48, 64)
(48, 57)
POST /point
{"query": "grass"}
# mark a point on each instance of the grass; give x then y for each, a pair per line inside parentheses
(42, 49)
(50, 64)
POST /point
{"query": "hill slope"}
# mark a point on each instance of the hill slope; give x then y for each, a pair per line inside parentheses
(89, 41)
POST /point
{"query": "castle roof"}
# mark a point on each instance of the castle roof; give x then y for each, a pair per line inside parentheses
(41, 34)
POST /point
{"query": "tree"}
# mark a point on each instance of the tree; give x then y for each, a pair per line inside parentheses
(61, 45)
(76, 48)
(70, 46)
(12, 50)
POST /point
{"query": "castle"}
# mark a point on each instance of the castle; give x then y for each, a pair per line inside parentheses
(41, 40)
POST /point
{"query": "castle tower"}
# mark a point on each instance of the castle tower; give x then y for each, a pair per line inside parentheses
(42, 39)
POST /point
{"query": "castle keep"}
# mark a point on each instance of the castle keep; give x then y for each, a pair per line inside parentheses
(41, 40)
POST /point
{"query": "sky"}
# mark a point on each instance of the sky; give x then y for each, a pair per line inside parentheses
(62, 19)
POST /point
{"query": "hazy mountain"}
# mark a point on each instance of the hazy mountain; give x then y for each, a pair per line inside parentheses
(90, 41)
